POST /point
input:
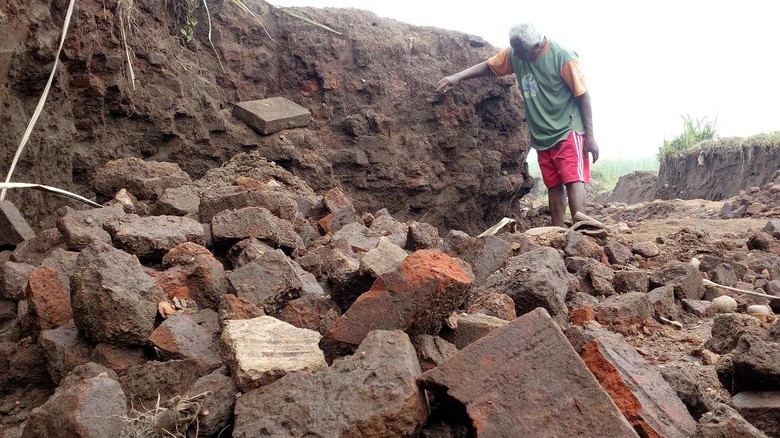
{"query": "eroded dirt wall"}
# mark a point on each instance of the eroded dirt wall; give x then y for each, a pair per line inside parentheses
(719, 169)
(379, 131)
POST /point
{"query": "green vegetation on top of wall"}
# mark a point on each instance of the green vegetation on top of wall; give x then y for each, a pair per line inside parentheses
(737, 144)
(771, 139)
(694, 132)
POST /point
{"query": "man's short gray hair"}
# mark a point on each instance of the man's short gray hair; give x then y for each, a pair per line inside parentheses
(527, 33)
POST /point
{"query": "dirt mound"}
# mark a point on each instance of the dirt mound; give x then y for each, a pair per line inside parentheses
(761, 201)
(634, 187)
(164, 307)
(378, 131)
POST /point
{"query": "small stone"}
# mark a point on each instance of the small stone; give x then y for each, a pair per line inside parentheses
(165, 309)
(759, 309)
(759, 240)
(662, 299)
(755, 209)
(724, 304)
(700, 308)
(645, 249)
(773, 226)
(728, 328)
(709, 358)
(618, 253)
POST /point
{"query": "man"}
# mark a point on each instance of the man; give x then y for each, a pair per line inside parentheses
(557, 109)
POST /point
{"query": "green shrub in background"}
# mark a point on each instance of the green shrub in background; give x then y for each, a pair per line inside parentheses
(694, 132)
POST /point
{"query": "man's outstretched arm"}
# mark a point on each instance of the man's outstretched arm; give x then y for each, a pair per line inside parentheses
(475, 71)
(587, 120)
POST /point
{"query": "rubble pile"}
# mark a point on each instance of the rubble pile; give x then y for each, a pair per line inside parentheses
(243, 302)
(763, 201)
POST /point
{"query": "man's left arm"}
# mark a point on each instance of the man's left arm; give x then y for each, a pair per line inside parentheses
(572, 76)
(587, 120)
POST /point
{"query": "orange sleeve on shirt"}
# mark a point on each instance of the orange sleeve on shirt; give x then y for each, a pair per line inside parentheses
(573, 77)
(499, 63)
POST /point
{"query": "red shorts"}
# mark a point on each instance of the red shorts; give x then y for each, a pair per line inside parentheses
(566, 162)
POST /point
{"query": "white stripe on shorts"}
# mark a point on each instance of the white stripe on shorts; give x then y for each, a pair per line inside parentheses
(579, 148)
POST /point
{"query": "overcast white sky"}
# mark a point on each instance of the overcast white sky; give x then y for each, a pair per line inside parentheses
(646, 63)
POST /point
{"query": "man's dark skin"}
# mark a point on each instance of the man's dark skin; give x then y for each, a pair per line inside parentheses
(557, 194)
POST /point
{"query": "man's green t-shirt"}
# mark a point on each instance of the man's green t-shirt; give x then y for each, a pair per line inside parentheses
(552, 110)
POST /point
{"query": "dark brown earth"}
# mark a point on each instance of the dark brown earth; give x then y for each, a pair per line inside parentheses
(379, 131)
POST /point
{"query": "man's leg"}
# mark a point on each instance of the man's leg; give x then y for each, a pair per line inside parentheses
(552, 180)
(557, 200)
(576, 194)
(574, 169)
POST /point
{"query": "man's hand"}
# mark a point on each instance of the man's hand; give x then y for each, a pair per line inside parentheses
(592, 147)
(446, 83)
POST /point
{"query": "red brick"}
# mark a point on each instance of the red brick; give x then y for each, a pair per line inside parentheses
(638, 389)
(582, 315)
(324, 223)
(427, 287)
(48, 298)
(233, 307)
(173, 282)
(526, 380)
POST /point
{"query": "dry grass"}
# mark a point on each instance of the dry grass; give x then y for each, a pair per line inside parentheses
(165, 422)
(308, 19)
(126, 14)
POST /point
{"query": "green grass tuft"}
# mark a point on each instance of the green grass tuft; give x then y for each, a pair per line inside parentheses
(694, 132)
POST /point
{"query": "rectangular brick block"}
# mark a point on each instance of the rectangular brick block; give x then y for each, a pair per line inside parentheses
(638, 389)
(271, 115)
(525, 379)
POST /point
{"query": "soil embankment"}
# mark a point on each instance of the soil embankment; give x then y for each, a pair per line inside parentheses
(378, 131)
(719, 169)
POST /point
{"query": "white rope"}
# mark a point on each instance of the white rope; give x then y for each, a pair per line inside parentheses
(61, 192)
(746, 292)
(41, 102)
(124, 42)
(208, 15)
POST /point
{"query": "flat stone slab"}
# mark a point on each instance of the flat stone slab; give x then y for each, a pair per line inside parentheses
(371, 394)
(761, 409)
(725, 422)
(271, 115)
(14, 228)
(153, 236)
(262, 350)
(525, 379)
